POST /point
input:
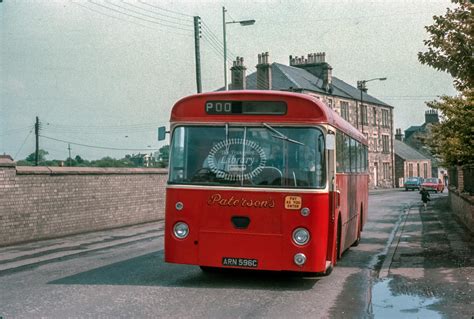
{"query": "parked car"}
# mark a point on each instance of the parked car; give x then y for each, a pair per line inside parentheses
(433, 184)
(413, 183)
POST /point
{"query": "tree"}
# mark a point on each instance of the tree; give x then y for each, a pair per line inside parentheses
(164, 155)
(78, 159)
(452, 139)
(41, 156)
(450, 46)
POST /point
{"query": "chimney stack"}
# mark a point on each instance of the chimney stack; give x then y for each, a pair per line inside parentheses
(264, 72)
(431, 116)
(315, 63)
(238, 74)
(398, 134)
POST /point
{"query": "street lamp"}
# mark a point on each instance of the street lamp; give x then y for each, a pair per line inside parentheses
(361, 85)
(224, 23)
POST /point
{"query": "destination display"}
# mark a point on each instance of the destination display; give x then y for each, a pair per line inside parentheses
(246, 107)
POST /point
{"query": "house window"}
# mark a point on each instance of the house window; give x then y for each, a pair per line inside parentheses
(410, 170)
(385, 118)
(385, 144)
(345, 110)
(375, 116)
(330, 103)
(386, 170)
(363, 114)
(425, 170)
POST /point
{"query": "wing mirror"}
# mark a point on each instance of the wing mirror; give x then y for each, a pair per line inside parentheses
(162, 133)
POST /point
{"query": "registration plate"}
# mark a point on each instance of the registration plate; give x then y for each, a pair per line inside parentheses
(239, 262)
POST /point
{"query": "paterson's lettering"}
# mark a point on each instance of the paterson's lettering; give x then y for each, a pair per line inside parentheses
(218, 199)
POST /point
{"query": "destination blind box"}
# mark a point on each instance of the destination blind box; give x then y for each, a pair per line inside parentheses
(245, 107)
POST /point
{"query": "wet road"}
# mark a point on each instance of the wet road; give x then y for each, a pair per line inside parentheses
(121, 274)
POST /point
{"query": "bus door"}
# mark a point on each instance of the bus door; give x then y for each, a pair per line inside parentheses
(333, 192)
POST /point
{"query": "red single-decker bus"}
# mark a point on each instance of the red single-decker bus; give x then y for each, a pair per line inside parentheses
(263, 180)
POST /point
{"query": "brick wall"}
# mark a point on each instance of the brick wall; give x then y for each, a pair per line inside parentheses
(46, 202)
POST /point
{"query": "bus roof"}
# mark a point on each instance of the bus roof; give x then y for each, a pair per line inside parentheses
(302, 109)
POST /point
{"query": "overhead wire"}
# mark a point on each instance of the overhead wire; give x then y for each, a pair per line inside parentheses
(23, 144)
(16, 130)
(230, 54)
(161, 20)
(167, 10)
(100, 130)
(99, 147)
(218, 48)
(105, 126)
(142, 19)
(125, 20)
(158, 13)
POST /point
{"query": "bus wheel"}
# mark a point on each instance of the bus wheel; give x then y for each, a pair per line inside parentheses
(208, 270)
(338, 239)
(359, 231)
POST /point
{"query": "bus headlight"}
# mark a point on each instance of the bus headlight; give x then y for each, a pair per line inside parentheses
(181, 230)
(301, 236)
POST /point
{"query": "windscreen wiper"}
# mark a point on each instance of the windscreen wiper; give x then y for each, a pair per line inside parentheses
(280, 135)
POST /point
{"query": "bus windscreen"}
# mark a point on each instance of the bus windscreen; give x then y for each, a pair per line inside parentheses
(248, 156)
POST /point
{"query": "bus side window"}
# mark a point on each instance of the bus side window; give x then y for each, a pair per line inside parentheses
(360, 154)
(339, 152)
(353, 155)
(347, 154)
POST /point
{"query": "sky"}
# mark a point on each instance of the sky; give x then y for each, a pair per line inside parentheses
(103, 75)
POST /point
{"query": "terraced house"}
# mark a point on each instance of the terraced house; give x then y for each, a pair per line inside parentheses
(313, 75)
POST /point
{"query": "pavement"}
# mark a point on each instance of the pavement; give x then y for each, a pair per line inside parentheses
(27, 255)
(429, 268)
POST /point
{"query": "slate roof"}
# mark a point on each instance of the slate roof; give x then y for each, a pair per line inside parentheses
(286, 77)
(413, 128)
(407, 152)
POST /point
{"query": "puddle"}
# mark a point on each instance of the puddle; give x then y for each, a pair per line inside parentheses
(387, 305)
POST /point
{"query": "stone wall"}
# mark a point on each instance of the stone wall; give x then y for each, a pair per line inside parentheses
(462, 205)
(46, 202)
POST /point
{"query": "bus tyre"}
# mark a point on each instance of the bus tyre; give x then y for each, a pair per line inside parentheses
(208, 270)
(357, 241)
(338, 239)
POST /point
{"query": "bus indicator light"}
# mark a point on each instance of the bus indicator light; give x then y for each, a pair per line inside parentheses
(305, 211)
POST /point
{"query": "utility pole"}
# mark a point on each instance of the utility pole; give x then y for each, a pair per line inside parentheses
(225, 48)
(69, 158)
(197, 51)
(37, 141)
